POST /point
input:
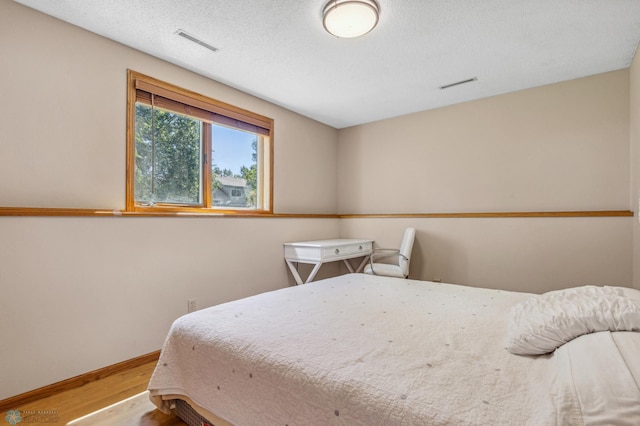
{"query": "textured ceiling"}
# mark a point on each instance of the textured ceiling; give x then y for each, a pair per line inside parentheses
(277, 49)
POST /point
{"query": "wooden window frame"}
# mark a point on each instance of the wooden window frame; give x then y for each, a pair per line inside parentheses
(208, 110)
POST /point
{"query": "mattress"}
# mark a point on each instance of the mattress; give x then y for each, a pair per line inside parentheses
(368, 350)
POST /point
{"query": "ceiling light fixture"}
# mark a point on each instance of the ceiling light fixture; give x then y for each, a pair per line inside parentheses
(350, 18)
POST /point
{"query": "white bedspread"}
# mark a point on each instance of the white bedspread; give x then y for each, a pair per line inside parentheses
(367, 350)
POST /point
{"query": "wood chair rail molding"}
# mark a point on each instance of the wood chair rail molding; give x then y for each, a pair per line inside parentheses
(589, 213)
(42, 211)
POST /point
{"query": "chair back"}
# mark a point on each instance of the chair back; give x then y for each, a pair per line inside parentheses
(405, 249)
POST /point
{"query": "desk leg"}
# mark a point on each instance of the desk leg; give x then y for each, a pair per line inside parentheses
(348, 264)
(360, 266)
(313, 273)
(294, 272)
(364, 261)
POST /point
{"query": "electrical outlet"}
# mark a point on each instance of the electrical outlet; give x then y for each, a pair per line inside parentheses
(191, 305)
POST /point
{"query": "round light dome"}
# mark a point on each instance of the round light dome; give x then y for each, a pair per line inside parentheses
(350, 18)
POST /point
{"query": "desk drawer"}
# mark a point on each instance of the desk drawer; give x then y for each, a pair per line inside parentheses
(346, 250)
(296, 253)
(364, 248)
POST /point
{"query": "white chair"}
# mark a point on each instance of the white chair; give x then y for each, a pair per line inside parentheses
(395, 263)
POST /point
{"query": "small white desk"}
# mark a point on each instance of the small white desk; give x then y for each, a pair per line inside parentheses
(321, 251)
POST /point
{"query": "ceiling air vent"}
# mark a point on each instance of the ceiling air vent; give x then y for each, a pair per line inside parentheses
(446, 86)
(195, 39)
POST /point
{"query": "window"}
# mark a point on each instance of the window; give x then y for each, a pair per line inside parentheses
(187, 152)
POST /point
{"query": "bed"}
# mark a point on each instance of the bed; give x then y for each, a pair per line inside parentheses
(367, 350)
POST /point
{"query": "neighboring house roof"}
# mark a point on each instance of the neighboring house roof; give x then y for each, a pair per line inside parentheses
(232, 181)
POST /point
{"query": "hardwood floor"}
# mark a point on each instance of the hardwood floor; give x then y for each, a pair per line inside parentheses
(115, 400)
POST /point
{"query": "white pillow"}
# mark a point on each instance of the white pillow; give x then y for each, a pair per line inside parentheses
(542, 323)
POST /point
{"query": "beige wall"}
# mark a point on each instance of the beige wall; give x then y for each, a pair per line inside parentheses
(553, 148)
(83, 293)
(559, 147)
(65, 134)
(634, 194)
(519, 254)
